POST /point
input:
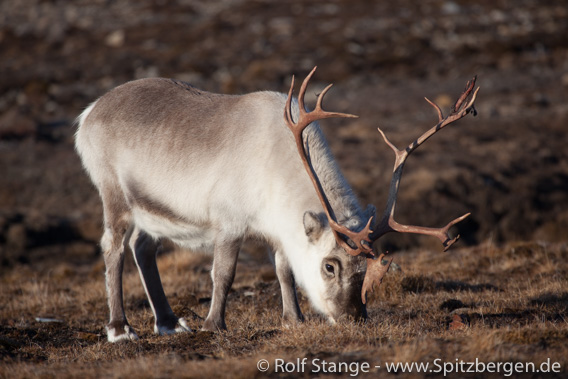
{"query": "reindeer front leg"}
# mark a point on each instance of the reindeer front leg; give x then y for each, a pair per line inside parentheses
(291, 313)
(145, 249)
(223, 272)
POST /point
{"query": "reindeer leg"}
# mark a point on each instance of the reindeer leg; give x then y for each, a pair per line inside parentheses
(291, 313)
(145, 249)
(117, 230)
(223, 272)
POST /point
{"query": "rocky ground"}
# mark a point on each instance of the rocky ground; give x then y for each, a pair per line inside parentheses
(508, 166)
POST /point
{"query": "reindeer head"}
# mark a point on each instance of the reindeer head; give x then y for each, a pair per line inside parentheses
(344, 282)
(335, 278)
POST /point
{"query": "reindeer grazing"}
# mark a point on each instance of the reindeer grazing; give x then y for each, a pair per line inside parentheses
(208, 171)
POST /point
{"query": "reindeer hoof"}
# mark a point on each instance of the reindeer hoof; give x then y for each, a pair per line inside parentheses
(117, 333)
(179, 326)
(291, 320)
(214, 326)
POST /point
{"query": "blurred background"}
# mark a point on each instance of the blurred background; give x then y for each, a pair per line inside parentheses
(508, 166)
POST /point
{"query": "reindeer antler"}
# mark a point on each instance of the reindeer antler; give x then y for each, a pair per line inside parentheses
(364, 239)
(388, 224)
(375, 270)
(360, 239)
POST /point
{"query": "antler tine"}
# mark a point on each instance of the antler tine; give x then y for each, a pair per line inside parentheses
(465, 94)
(303, 89)
(471, 105)
(321, 96)
(440, 114)
(361, 238)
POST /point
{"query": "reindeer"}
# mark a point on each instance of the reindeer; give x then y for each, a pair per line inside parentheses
(208, 171)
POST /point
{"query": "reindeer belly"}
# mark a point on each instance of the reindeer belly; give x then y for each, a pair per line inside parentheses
(158, 219)
(184, 233)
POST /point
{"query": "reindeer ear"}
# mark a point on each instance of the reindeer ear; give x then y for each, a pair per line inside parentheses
(313, 224)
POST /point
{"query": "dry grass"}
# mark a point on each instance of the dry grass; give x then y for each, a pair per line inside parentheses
(512, 301)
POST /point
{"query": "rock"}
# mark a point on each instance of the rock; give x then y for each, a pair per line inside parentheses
(115, 39)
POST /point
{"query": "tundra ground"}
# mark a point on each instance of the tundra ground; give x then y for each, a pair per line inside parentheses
(493, 304)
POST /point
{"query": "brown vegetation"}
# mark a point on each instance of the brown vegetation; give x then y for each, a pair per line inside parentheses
(492, 297)
(511, 301)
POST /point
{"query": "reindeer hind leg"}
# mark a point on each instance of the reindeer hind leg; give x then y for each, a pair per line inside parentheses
(117, 229)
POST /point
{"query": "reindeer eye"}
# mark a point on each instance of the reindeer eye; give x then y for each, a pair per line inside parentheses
(329, 268)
